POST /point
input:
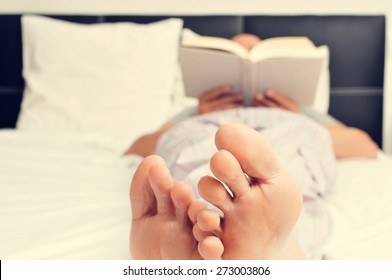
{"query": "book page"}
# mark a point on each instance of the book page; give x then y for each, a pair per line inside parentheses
(288, 41)
(282, 47)
(296, 78)
(283, 53)
(217, 43)
(205, 69)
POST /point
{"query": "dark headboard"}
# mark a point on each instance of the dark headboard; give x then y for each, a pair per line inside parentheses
(357, 47)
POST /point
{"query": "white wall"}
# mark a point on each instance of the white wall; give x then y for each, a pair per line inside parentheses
(195, 6)
(223, 7)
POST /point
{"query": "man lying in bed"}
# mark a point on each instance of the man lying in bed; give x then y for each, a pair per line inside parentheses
(263, 206)
(160, 208)
(347, 141)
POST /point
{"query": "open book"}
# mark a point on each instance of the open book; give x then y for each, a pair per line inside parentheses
(290, 65)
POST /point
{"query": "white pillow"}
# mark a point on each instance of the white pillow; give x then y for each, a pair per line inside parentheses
(321, 102)
(112, 78)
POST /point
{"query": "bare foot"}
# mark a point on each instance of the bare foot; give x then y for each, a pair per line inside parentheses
(264, 205)
(161, 228)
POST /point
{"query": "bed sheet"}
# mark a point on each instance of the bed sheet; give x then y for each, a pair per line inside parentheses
(66, 197)
(63, 197)
(360, 210)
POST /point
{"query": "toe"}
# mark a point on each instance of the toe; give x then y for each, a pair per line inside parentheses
(211, 248)
(208, 220)
(141, 194)
(196, 207)
(227, 169)
(161, 183)
(199, 234)
(251, 150)
(214, 192)
(182, 199)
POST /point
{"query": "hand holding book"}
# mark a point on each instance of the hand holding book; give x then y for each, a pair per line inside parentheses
(220, 98)
(290, 65)
(273, 99)
(223, 98)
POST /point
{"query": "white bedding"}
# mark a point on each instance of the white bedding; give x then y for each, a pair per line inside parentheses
(66, 197)
(361, 210)
(62, 197)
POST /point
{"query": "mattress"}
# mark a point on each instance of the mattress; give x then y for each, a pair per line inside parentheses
(66, 197)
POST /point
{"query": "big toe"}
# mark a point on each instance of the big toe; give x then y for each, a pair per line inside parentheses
(141, 194)
(249, 147)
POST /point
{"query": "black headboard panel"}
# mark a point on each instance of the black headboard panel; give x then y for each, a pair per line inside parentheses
(357, 47)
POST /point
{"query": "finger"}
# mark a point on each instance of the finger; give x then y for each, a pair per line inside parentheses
(226, 102)
(268, 103)
(281, 100)
(228, 99)
(232, 101)
(258, 103)
(259, 100)
(225, 107)
(214, 93)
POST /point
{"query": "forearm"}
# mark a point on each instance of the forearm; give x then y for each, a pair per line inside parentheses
(145, 145)
(349, 142)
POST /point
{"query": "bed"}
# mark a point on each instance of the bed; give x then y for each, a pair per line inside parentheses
(64, 194)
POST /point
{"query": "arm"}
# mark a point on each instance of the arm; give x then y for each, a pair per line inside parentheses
(146, 144)
(351, 142)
